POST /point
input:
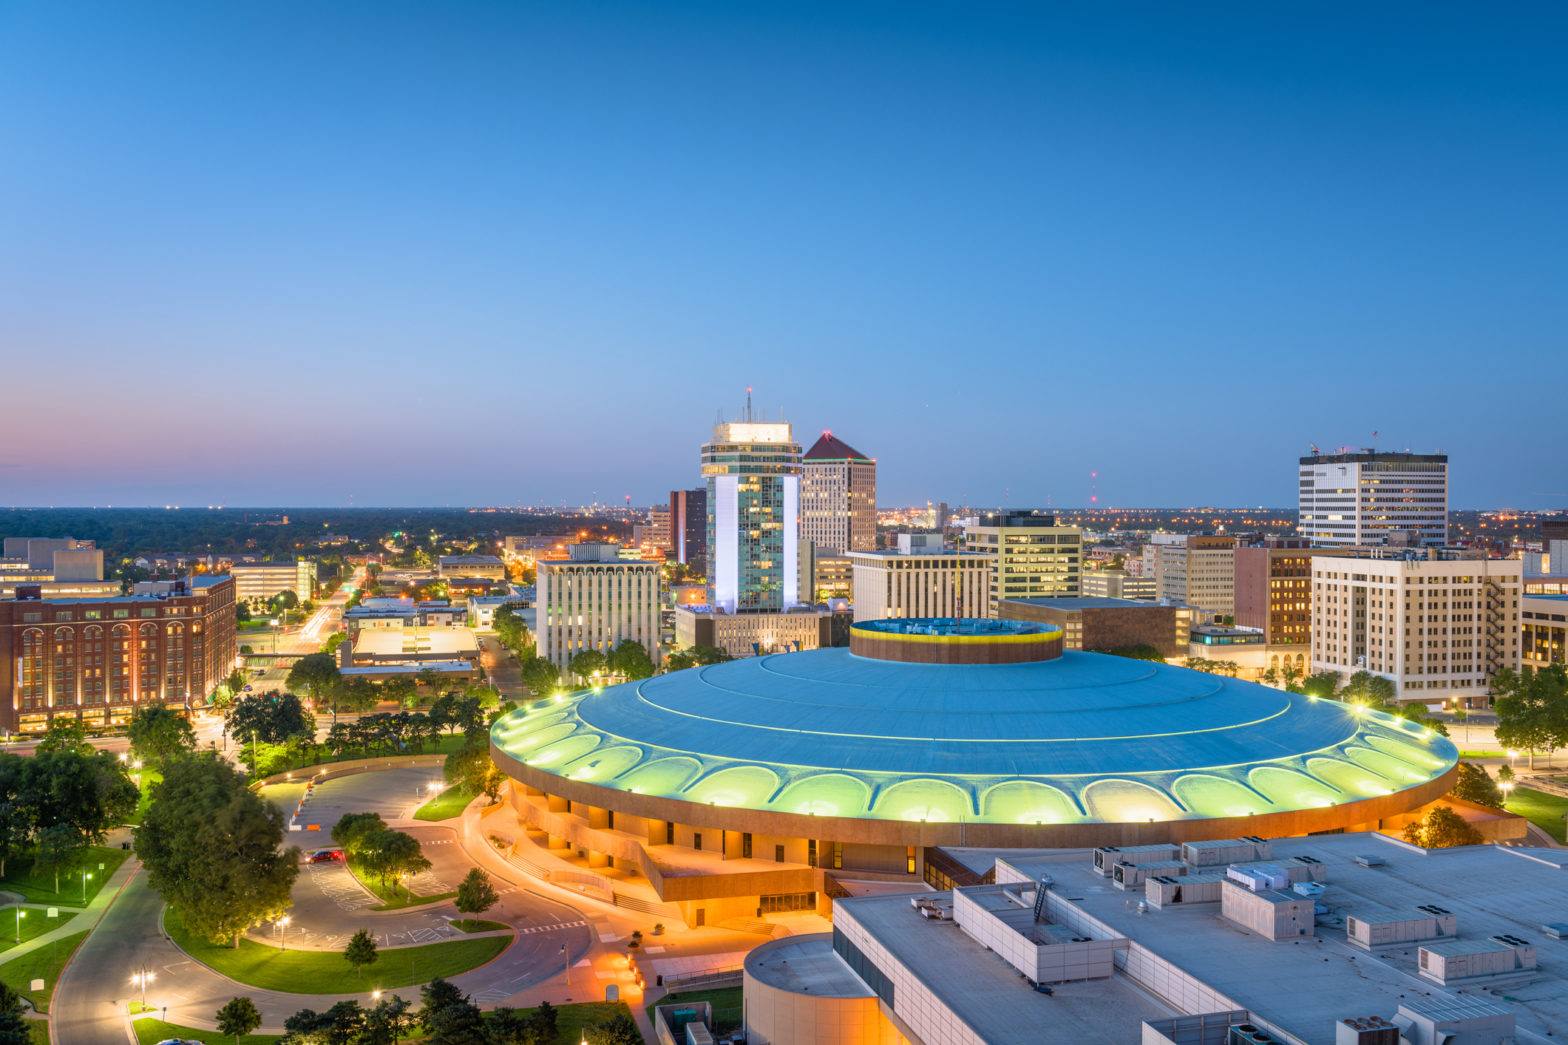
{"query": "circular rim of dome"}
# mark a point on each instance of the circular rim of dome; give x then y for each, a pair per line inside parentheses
(825, 733)
(955, 640)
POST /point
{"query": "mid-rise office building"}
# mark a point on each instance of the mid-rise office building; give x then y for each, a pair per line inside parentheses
(595, 600)
(753, 474)
(838, 497)
(256, 582)
(1554, 534)
(1274, 589)
(920, 583)
(1543, 621)
(656, 533)
(1362, 497)
(1198, 570)
(689, 529)
(98, 659)
(1118, 584)
(1437, 625)
(1031, 556)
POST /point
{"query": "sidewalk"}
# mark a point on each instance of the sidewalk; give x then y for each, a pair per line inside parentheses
(85, 917)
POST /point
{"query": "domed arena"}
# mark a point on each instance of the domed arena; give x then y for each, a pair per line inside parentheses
(733, 783)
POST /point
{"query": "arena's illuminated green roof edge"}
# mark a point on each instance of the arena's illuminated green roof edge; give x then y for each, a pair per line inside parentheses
(1086, 738)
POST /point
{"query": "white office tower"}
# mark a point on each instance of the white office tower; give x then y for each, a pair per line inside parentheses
(594, 600)
(753, 470)
(1362, 497)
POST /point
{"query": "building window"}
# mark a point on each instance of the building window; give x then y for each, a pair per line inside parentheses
(745, 845)
(811, 853)
(696, 840)
(778, 854)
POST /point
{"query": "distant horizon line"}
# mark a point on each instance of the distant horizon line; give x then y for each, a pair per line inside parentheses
(536, 509)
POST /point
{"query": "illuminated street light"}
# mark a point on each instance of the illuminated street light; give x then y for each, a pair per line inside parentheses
(20, 914)
(85, 877)
(283, 924)
(141, 980)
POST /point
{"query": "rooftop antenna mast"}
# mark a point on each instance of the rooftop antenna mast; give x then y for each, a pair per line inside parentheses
(748, 402)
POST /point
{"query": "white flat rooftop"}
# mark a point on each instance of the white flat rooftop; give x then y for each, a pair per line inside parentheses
(1305, 986)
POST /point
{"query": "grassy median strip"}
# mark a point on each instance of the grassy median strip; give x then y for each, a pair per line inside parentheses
(39, 888)
(447, 804)
(477, 925)
(328, 972)
(44, 963)
(392, 898)
(1544, 810)
(150, 1032)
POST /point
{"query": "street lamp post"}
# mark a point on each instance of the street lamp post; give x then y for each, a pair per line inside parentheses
(283, 936)
(20, 914)
(140, 979)
(85, 877)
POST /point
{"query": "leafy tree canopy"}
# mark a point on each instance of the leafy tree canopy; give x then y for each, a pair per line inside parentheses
(158, 733)
(1442, 828)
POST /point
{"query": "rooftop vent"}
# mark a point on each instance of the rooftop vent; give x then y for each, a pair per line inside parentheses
(1370, 861)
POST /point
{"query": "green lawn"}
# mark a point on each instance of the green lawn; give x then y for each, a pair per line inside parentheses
(392, 898)
(447, 804)
(150, 1031)
(326, 972)
(571, 1020)
(477, 925)
(44, 963)
(149, 777)
(1540, 808)
(33, 925)
(39, 888)
(38, 1032)
(725, 1001)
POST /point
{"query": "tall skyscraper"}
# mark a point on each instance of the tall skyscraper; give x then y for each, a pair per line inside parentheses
(1362, 497)
(838, 498)
(689, 528)
(753, 473)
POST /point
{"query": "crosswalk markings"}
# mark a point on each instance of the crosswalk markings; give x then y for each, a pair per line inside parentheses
(551, 927)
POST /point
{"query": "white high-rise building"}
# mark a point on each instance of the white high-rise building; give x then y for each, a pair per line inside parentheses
(1437, 626)
(838, 498)
(594, 600)
(753, 473)
(1360, 498)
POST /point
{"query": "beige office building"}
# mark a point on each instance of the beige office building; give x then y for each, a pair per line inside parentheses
(261, 581)
(921, 584)
(1031, 556)
(1438, 627)
(1118, 584)
(489, 567)
(1198, 570)
(838, 498)
(594, 600)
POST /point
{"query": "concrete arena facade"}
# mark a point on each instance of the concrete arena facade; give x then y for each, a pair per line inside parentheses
(735, 789)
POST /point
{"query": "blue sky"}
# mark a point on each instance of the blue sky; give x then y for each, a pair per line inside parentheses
(477, 253)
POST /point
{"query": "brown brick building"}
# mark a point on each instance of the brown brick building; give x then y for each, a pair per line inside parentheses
(98, 659)
(1274, 589)
(1107, 624)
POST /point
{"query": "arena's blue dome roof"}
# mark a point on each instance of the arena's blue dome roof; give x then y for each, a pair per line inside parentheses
(1086, 737)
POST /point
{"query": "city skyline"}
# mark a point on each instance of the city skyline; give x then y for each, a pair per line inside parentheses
(260, 254)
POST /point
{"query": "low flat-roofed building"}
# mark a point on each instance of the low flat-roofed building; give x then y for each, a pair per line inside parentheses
(391, 613)
(749, 634)
(489, 566)
(1119, 584)
(1543, 622)
(483, 608)
(446, 670)
(1110, 624)
(414, 645)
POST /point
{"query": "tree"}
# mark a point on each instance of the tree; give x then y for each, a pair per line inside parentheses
(460, 1024)
(241, 612)
(58, 849)
(485, 694)
(358, 694)
(1323, 684)
(438, 994)
(475, 894)
(158, 733)
(385, 1023)
(214, 849)
(336, 639)
(91, 792)
(270, 718)
(317, 674)
(539, 675)
(588, 663)
(238, 1017)
(631, 659)
(361, 951)
(402, 690)
(393, 855)
(472, 769)
(1532, 709)
(352, 829)
(680, 660)
(618, 1030)
(1505, 775)
(709, 655)
(13, 1024)
(1474, 785)
(64, 734)
(1442, 828)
